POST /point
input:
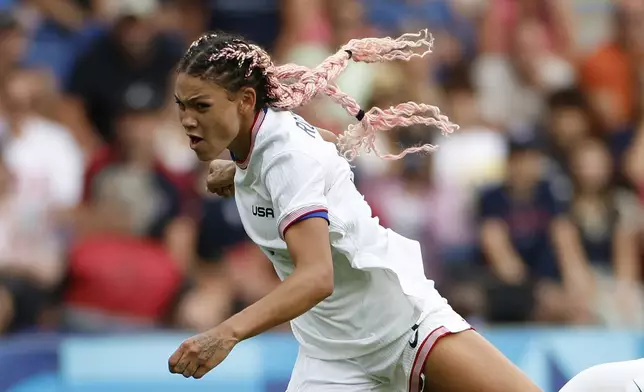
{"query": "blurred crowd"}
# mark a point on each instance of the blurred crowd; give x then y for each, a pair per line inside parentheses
(531, 212)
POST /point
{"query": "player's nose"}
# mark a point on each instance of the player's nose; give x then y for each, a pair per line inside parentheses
(189, 123)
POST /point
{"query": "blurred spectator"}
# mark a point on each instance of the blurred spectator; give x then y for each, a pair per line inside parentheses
(387, 92)
(130, 172)
(531, 246)
(116, 281)
(441, 16)
(13, 43)
(611, 76)
(220, 227)
(135, 232)
(246, 263)
(41, 177)
(554, 17)
(465, 162)
(131, 66)
(346, 20)
(633, 168)
(634, 162)
(276, 25)
(607, 219)
(31, 258)
(408, 184)
(43, 158)
(6, 299)
(186, 18)
(569, 122)
(512, 86)
(170, 143)
(451, 22)
(63, 28)
(273, 24)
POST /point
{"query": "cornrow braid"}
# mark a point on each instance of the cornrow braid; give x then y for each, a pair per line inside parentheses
(234, 63)
(231, 62)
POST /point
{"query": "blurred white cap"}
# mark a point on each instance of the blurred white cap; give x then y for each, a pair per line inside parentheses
(135, 8)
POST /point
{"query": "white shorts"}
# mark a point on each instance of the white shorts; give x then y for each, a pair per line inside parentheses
(398, 367)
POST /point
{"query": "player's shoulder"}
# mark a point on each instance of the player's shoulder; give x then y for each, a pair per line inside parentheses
(286, 133)
(287, 127)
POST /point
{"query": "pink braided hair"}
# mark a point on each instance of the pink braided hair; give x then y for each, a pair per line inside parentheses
(293, 86)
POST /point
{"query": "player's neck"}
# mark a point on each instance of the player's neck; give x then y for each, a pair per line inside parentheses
(241, 145)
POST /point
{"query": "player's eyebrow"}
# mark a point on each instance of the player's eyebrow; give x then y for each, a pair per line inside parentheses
(191, 99)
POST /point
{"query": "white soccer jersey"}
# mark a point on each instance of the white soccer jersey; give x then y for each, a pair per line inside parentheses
(380, 289)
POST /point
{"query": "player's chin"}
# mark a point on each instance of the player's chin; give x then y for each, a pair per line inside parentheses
(204, 152)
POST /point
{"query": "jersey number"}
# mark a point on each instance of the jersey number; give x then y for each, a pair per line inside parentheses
(303, 125)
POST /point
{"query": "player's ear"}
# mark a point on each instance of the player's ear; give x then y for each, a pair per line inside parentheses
(247, 99)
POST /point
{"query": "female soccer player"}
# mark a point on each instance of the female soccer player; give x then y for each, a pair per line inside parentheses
(355, 293)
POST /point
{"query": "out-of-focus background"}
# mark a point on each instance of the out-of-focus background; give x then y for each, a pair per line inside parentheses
(530, 215)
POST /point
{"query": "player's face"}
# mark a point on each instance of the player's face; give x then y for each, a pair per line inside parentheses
(210, 115)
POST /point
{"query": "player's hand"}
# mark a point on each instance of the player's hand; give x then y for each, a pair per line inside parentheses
(221, 178)
(202, 353)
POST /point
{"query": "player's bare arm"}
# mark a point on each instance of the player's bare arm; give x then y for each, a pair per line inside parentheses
(221, 173)
(309, 284)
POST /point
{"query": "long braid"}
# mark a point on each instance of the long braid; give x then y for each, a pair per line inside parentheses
(235, 63)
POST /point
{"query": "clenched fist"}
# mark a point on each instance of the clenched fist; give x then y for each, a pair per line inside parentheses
(221, 178)
(200, 354)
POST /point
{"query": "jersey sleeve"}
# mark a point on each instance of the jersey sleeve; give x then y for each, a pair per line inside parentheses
(296, 184)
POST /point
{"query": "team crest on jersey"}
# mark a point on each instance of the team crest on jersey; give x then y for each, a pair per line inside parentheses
(263, 212)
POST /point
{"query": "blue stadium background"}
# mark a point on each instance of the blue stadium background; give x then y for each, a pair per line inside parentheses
(137, 363)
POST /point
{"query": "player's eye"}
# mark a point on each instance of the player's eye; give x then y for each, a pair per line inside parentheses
(180, 104)
(202, 107)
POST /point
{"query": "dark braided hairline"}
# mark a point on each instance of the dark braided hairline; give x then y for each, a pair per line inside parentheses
(202, 60)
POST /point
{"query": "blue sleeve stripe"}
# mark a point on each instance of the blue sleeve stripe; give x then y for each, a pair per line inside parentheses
(315, 214)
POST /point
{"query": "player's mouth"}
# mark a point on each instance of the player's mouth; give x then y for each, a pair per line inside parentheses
(194, 140)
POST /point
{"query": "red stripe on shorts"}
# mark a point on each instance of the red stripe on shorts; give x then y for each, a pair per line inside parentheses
(422, 354)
